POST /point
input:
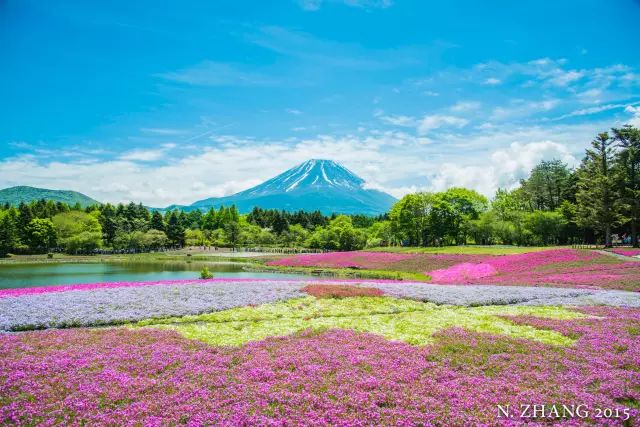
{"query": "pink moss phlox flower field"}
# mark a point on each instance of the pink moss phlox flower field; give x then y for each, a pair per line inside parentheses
(563, 267)
(506, 265)
(626, 251)
(120, 376)
(343, 260)
(555, 267)
(463, 272)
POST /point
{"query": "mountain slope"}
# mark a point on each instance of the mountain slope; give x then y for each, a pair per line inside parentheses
(15, 195)
(315, 184)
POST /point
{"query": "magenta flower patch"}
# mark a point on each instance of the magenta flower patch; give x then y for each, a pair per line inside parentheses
(339, 377)
(463, 272)
(370, 260)
(626, 251)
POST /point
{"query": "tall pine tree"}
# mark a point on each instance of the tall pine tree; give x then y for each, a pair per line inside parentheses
(598, 207)
(628, 140)
(175, 230)
(157, 223)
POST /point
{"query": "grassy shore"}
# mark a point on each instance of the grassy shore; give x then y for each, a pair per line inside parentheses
(346, 273)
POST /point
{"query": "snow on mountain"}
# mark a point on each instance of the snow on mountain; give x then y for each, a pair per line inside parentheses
(313, 185)
(310, 175)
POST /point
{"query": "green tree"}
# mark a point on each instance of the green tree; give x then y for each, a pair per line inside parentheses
(40, 235)
(509, 204)
(294, 236)
(78, 231)
(134, 240)
(349, 238)
(25, 215)
(545, 226)
(339, 234)
(175, 230)
(195, 238)
(109, 223)
(8, 231)
(597, 205)
(380, 234)
(628, 140)
(410, 218)
(570, 230)
(155, 239)
(209, 220)
(233, 233)
(548, 185)
(157, 223)
(464, 205)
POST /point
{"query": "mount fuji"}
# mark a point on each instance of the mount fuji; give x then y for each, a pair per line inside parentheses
(322, 185)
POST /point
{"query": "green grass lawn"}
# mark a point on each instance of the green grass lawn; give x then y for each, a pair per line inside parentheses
(467, 250)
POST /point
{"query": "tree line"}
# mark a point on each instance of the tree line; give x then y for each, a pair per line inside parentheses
(554, 205)
(44, 226)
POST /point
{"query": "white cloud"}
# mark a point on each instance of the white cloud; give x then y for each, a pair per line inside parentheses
(595, 110)
(428, 123)
(143, 155)
(293, 111)
(492, 81)
(523, 108)
(399, 120)
(502, 169)
(394, 161)
(635, 119)
(590, 96)
(562, 78)
(547, 73)
(219, 169)
(464, 106)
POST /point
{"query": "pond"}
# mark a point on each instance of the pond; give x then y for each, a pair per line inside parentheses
(46, 274)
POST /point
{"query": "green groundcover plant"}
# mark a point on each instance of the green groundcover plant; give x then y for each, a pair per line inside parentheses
(413, 322)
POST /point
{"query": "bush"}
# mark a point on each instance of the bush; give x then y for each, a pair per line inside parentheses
(205, 273)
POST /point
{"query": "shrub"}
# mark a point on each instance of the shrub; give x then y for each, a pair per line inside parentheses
(205, 273)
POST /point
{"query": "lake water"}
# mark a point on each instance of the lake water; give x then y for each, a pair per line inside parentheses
(29, 275)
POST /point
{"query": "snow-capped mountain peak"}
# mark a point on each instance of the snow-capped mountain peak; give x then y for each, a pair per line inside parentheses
(316, 184)
(312, 175)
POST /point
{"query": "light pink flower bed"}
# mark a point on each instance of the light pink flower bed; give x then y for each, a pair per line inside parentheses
(343, 260)
(626, 251)
(566, 267)
(555, 267)
(464, 271)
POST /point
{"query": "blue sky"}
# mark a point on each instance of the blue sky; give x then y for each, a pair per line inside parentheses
(170, 102)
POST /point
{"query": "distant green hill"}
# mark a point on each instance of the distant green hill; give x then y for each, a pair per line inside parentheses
(15, 195)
